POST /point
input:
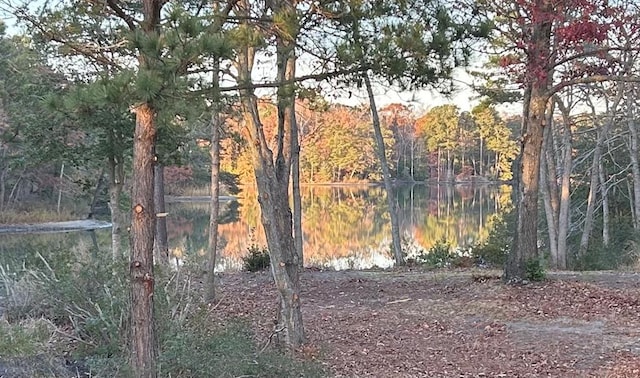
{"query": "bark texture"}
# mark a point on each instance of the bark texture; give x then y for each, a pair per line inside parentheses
(298, 238)
(525, 244)
(273, 171)
(143, 217)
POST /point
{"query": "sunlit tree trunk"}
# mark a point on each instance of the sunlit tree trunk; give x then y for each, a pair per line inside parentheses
(143, 346)
(143, 219)
(386, 175)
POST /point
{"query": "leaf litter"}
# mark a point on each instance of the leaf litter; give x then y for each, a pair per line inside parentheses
(459, 323)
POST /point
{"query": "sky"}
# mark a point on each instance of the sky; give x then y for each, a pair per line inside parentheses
(420, 101)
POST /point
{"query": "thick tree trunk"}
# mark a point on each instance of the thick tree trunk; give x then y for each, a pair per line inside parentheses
(116, 181)
(386, 175)
(143, 217)
(161, 244)
(538, 75)
(214, 150)
(525, 243)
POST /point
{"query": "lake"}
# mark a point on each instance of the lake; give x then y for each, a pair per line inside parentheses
(345, 227)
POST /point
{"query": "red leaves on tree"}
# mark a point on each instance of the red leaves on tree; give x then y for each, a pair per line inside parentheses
(583, 31)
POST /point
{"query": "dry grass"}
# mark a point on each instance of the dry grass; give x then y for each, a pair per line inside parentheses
(40, 215)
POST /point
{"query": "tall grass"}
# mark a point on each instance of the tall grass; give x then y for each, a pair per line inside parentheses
(77, 312)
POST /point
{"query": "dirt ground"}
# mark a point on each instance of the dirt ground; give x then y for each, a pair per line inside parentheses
(455, 323)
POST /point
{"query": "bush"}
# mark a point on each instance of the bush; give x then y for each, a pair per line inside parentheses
(257, 260)
(93, 302)
(438, 256)
(535, 271)
(622, 250)
(496, 248)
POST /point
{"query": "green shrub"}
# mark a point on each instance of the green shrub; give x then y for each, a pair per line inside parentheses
(495, 249)
(535, 271)
(622, 250)
(438, 256)
(257, 259)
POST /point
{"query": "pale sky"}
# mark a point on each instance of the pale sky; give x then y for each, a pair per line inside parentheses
(420, 101)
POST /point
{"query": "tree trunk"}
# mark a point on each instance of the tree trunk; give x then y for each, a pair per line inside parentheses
(481, 157)
(591, 197)
(214, 150)
(552, 228)
(525, 243)
(96, 195)
(604, 191)
(635, 159)
(161, 244)
(386, 175)
(297, 197)
(551, 163)
(115, 168)
(143, 217)
(565, 194)
(597, 181)
(272, 178)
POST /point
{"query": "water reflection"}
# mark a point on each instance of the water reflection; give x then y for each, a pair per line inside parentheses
(346, 226)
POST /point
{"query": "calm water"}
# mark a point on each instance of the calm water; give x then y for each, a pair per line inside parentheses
(346, 227)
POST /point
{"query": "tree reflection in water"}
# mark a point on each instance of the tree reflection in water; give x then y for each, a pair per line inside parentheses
(346, 227)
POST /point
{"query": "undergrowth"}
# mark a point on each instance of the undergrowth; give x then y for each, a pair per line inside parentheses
(257, 259)
(63, 314)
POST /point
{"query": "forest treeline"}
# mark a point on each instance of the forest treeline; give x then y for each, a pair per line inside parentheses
(444, 144)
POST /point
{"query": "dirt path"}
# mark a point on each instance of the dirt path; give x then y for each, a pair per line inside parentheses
(456, 324)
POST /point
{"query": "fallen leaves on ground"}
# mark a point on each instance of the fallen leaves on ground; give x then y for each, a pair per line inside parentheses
(450, 324)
